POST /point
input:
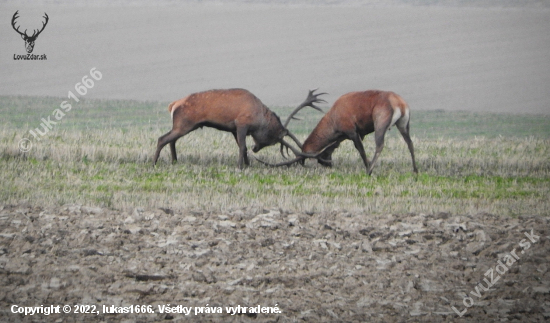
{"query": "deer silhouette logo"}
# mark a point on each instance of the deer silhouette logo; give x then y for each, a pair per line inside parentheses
(29, 40)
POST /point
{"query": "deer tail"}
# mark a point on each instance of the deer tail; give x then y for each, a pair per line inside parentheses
(170, 106)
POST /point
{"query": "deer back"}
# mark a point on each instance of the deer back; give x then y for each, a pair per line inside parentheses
(223, 108)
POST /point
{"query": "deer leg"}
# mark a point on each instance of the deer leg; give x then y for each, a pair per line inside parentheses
(170, 138)
(359, 146)
(404, 130)
(379, 134)
(173, 151)
(246, 161)
(241, 141)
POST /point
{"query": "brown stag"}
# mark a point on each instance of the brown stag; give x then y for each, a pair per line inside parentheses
(353, 116)
(234, 110)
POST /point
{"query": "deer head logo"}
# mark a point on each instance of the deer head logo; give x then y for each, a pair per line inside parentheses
(29, 40)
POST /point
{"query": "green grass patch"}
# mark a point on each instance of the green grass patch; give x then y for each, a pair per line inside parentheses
(101, 154)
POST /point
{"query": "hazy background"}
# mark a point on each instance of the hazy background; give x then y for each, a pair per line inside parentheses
(457, 55)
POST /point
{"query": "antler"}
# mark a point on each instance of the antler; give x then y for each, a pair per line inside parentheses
(287, 163)
(309, 102)
(35, 33)
(15, 16)
(301, 156)
(293, 137)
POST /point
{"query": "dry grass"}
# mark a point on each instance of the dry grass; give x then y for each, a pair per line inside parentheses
(112, 168)
(100, 155)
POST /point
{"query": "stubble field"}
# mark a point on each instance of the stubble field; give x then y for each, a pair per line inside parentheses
(86, 219)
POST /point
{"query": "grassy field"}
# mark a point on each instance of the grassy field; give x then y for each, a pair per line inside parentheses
(100, 155)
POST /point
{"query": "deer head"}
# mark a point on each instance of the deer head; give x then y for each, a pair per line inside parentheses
(29, 40)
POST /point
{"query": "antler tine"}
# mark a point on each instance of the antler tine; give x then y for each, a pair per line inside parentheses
(316, 95)
(314, 99)
(35, 33)
(310, 100)
(283, 153)
(15, 16)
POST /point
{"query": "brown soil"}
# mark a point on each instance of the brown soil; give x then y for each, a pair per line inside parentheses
(337, 266)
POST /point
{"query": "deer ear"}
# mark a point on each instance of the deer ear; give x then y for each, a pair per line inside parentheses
(23, 37)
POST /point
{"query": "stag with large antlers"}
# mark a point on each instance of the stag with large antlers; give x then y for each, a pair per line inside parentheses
(235, 110)
(29, 40)
(353, 116)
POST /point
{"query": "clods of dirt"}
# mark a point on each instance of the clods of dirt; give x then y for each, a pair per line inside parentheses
(279, 266)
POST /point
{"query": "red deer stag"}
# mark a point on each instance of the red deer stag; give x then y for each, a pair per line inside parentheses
(353, 116)
(235, 110)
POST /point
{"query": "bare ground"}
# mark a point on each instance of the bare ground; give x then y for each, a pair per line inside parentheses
(314, 267)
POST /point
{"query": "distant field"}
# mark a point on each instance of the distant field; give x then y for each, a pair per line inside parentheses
(22, 113)
(100, 154)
